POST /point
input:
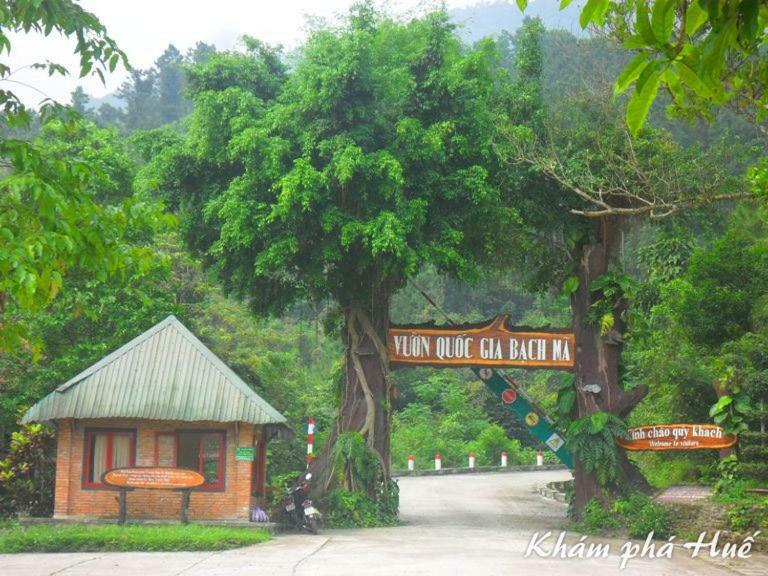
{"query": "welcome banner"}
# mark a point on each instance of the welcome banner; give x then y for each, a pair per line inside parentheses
(677, 437)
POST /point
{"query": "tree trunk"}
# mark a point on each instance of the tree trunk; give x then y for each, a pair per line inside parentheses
(597, 358)
(365, 392)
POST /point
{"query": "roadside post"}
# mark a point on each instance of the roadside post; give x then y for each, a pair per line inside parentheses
(539, 458)
(310, 440)
(438, 462)
(504, 459)
(410, 462)
(471, 459)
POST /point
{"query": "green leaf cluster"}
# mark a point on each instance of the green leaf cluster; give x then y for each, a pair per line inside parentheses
(372, 157)
(591, 440)
(705, 53)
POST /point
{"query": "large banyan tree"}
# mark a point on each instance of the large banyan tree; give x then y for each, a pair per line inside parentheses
(339, 179)
(582, 182)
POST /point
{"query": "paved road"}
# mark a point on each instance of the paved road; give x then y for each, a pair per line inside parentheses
(477, 524)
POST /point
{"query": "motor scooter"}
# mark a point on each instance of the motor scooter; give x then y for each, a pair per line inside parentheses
(299, 507)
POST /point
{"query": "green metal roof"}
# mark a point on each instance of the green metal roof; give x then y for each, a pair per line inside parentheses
(166, 373)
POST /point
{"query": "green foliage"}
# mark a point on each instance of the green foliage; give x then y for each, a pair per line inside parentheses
(374, 158)
(706, 53)
(663, 470)
(728, 474)
(350, 509)
(637, 514)
(566, 399)
(730, 414)
(746, 512)
(612, 291)
(364, 497)
(591, 440)
(748, 516)
(724, 283)
(642, 516)
(355, 464)
(27, 472)
(597, 518)
(136, 538)
(755, 470)
(705, 327)
(52, 219)
(494, 440)
(97, 51)
(445, 415)
(155, 96)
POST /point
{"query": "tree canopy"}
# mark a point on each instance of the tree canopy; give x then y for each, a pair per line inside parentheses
(374, 158)
(706, 53)
(50, 218)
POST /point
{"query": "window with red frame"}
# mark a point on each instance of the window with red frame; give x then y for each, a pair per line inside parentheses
(204, 453)
(107, 449)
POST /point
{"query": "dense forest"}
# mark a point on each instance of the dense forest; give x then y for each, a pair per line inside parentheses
(200, 131)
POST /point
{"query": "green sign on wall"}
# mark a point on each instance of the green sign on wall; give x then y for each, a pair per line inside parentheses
(245, 453)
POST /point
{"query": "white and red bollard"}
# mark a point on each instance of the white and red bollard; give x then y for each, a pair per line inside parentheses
(471, 459)
(539, 458)
(438, 461)
(410, 462)
(310, 440)
(504, 459)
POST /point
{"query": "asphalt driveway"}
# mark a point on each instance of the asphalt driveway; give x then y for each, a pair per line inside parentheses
(474, 524)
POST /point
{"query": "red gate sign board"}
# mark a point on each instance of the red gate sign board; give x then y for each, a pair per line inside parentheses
(154, 478)
(490, 343)
(677, 437)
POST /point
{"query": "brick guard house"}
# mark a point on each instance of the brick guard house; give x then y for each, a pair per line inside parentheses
(163, 399)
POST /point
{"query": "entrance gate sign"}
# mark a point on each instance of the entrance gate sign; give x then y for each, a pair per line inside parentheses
(677, 437)
(491, 343)
(483, 347)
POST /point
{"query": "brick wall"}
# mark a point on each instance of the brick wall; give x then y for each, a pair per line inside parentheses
(74, 499)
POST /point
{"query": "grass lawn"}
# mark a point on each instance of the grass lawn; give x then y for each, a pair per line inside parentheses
(129, 538)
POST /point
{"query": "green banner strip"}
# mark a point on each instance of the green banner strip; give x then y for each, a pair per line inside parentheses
(538, 424)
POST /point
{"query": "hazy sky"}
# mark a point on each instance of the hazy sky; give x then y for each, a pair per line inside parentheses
(144, 28)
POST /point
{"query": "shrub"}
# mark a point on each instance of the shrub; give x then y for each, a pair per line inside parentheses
(491, 442)
(754, 452)
(596, 518)
(27, 472)
(528, 456)
(362, 497)
(754, 470)
(729, 472)
(748, 516)
(637, 513)
(641, 516)
(663, 470)
(277, 491)
(351, 509)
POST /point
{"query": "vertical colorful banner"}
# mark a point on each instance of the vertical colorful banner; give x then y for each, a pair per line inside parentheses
(517, 401)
